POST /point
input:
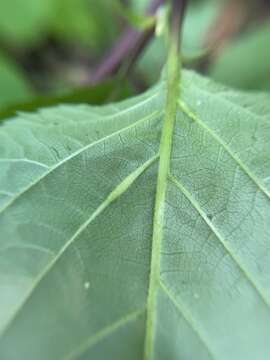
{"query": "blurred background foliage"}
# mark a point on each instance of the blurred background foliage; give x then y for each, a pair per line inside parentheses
(49, 49)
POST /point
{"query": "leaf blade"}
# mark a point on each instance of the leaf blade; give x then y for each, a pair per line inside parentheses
(104, 275)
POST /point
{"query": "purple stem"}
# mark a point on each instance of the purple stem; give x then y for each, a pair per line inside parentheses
(131, 43)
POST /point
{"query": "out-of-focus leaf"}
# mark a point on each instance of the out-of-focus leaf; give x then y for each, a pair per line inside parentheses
(245, 63)
(88, 21)
(13, 85)
(139, 5)
(199, 16)
(24, 21)
(97, 95)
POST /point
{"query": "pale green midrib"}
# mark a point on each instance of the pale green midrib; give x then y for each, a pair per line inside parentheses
(224, 243)
(72, 156)
(245, 169)
(103, 333)
(119, 190)
(163, 171)
(189, 319)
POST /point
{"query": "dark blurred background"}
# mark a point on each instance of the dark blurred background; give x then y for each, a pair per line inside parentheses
(56, 50)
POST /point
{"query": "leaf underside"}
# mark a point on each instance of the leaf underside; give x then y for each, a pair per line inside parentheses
(77, 200)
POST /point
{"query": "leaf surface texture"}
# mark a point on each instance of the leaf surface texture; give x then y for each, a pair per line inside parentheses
(78, 187)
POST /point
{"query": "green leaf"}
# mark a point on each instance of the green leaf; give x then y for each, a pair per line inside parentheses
(84, 188)
(87, 21)
(200, 16)
(245, 63)
(25, 21)
(94, 95)
(13, 85)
